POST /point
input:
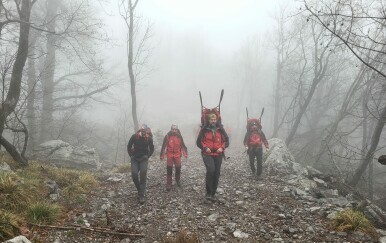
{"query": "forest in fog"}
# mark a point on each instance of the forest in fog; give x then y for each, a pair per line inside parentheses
(90, 72)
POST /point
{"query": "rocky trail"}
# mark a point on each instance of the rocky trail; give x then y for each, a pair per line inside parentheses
(273, 209)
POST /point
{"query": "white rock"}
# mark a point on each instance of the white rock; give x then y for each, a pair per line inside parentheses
(18, 239)
(213, 217)
(4, 167)
(382, 239)
(240, 234)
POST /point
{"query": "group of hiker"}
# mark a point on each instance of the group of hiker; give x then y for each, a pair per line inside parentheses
(212, 140)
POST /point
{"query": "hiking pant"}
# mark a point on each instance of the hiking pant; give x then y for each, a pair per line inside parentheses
(176, 161)
(139, 166)
(258, 153)
(213, 167)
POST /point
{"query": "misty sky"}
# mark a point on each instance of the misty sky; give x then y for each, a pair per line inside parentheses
(196, 46)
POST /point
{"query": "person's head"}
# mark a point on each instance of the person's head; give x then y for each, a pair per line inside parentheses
(212, 119)
(174, 128)
(143, 129)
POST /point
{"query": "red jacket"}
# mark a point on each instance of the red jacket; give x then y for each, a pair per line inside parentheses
(173, 145)
(212, 139)
(255, 138)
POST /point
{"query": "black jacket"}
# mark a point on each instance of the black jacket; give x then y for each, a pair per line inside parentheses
(139, 146)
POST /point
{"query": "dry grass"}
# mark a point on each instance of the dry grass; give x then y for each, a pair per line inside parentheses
(15, 195)
(123, 168)
(9, 225)
(23, 194)
(43, 212)
(351, 220)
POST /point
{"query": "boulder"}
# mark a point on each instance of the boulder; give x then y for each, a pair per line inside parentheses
(18, 239)
(280, 160)
(4, 167)
(62, 154)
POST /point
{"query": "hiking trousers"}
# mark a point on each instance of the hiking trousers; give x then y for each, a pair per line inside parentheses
(176, 161)
(256, 152)
(139, 173)
(213, 168)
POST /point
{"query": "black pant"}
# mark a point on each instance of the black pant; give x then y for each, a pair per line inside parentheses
(139, 166)
(213, 167)
(258, 153)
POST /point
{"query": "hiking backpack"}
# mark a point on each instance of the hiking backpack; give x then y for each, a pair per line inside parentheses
(252, 121)
(206, 111)
(148, 135)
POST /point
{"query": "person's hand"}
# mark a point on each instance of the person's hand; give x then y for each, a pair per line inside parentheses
(267, 150)
(220, 150)
(207, 150)
(246, 147)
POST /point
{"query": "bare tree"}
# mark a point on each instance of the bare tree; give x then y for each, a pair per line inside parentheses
(359, 26)
(320, 64)
(13, 93)
(65, 86)
(138, 52)
(285, 44)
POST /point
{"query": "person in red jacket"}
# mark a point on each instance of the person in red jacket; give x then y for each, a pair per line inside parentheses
(212, 140)
(174, 146)
(253, 140)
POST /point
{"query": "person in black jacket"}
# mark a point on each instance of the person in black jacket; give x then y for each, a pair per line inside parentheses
(140, 148)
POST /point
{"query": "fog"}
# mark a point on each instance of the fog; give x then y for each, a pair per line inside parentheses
(196, 45)
(320, 80)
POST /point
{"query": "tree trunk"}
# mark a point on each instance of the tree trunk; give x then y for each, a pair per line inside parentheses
(13, 95)
(131, 71)
(320, 69)
(341, 114)
(277, 96)
(365, 142)
(31, 82)
(369, 155)
(46, 121)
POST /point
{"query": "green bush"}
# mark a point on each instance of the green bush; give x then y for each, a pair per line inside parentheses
(43, 212)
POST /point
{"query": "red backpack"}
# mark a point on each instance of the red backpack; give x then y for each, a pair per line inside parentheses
(255, 139)
(206, 111)
(254, 121)
(148, 134)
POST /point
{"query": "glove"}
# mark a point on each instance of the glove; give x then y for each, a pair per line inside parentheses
(207, 150)
(220, 150)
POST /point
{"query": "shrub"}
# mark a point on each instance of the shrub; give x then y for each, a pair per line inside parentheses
(43, 212)
(9, 225)
(14, 194)
(351, 220)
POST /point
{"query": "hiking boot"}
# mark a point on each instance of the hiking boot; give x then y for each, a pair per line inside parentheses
(258, 177)
(178, 183)
(208, 197)
(213, 198)
(142, 199)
